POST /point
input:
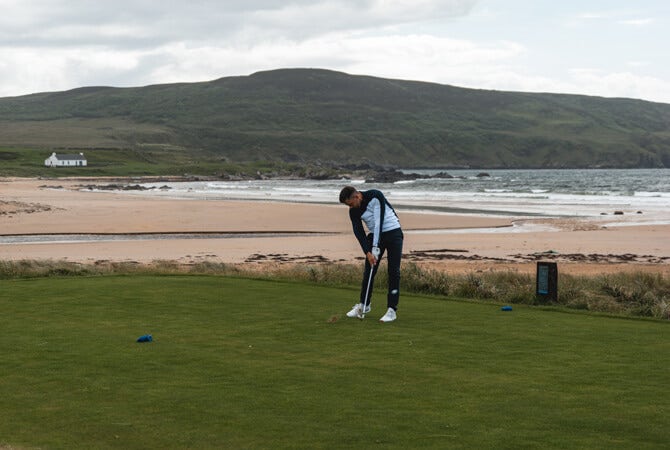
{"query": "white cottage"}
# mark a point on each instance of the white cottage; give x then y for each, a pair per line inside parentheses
(65, 160)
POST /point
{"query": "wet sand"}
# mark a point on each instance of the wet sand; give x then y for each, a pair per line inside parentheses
(260, 232)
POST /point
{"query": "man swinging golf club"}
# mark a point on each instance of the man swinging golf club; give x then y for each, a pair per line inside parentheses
(385, 235)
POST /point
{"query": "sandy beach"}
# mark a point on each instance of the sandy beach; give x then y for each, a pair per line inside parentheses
(258, 232)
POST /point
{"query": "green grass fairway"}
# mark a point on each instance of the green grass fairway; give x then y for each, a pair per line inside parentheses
(239, 363)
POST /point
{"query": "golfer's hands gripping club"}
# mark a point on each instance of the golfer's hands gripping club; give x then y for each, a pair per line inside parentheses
(373, 256)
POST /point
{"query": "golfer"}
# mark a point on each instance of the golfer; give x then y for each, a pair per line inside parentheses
(384, 235)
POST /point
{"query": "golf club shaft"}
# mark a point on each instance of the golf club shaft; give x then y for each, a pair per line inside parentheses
(367, 291)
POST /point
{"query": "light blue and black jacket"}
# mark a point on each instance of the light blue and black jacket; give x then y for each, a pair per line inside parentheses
(378, 215)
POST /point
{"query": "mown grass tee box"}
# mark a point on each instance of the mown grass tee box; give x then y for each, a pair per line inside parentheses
(243, 363)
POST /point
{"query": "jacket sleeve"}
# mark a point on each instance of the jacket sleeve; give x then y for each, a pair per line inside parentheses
(359, 231)
(378, 210)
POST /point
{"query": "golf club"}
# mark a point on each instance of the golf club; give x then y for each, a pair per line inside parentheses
(367, 292)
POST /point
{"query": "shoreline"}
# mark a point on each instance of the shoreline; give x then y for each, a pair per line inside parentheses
(609, 210)
(268, 232)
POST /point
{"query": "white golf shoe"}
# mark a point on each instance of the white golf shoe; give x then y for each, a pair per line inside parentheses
(356, 310)
(390, 316)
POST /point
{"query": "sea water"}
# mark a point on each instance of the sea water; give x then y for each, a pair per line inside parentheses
(641, 195)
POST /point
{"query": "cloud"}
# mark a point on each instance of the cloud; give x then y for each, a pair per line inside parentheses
(425, 57)
(48, 45)
(590, 82)
(414, 57)
(143, 23)
(621, 17)
(637, 22)
(621, 84)
(59, 44)
(26, 71)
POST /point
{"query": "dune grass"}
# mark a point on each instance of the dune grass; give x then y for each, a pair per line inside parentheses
(248, 363)
(636, 294)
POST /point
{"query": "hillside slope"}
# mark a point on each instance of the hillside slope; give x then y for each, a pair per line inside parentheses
(307, 115)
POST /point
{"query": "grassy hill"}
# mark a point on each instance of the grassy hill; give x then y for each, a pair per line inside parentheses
(308, 115)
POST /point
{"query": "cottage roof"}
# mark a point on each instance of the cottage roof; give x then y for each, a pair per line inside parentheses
(71, 157)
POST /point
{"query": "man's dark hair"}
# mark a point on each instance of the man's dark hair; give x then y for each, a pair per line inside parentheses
(346, 193)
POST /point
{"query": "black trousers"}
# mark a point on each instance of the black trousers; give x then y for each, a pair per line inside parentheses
(391, 242)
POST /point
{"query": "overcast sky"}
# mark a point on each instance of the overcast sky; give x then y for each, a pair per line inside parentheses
(611, 48)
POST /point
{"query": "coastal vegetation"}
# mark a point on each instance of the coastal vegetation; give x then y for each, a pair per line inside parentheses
(248, 363)
(629, 294)
(322, 120)
(127, 163)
